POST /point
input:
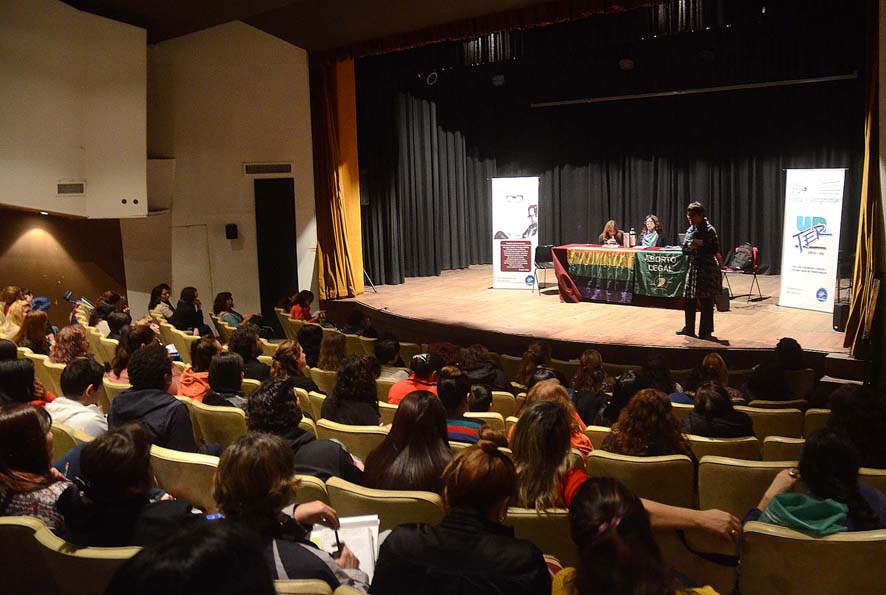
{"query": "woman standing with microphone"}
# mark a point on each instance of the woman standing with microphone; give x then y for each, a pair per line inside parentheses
(703, 277)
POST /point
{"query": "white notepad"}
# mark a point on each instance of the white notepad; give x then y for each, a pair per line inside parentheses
(359, 533)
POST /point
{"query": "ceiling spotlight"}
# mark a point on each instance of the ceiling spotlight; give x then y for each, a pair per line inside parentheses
(431, 79)
(43, 213)
(626, 64)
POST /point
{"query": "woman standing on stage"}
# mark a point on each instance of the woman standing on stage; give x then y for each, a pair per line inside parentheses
(612, 234)
(703, 277)
(652, 233)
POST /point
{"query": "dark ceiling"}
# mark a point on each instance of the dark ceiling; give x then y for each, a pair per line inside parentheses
(310, 24)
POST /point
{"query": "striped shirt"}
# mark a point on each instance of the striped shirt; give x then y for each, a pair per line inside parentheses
(463, 430)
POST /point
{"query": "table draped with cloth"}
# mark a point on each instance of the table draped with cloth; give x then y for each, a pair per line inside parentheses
(637, 276)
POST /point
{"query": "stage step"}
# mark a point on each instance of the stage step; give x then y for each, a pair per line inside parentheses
(842, 366)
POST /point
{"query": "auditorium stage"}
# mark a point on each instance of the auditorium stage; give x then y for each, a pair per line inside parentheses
(460, 306)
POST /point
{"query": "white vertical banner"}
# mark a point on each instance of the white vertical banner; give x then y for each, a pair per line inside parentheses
(515, 232)
(813, 208)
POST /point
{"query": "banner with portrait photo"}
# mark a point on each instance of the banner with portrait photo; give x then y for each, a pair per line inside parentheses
(515, 232)
(813, 210)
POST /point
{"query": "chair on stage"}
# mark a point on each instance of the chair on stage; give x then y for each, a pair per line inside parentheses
(725, 269)
(544, 261)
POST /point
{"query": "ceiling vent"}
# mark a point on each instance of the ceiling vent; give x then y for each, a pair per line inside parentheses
(71, 188)
(253, 169)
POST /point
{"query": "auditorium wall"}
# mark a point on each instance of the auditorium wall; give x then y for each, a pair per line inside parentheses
(217, 99)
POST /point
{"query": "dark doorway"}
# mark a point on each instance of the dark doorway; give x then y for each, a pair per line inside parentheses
(275, 238)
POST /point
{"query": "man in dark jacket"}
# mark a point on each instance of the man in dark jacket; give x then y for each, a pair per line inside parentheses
(164, 417)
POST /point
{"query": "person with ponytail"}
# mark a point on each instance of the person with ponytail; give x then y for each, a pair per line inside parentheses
(823, 496)
(617, 552)
(714, 416)
(537, 354)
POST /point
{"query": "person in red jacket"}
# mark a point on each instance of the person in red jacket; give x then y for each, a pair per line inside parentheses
(425, 369)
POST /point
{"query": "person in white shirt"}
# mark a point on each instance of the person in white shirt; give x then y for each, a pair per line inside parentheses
(81, 384)
(387, 352)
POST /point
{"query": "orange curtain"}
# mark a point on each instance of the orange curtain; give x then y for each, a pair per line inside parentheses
(870, 222)
(336, 179)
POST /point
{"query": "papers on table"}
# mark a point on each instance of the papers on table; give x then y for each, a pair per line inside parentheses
(359, 533)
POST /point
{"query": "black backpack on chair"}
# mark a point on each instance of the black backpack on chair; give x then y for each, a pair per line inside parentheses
(742, 258)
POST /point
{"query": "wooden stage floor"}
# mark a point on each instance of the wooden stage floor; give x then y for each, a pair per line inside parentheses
(464, 298)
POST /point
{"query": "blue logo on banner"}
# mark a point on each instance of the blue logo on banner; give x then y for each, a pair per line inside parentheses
(530, 280)
(821, 295)
(809, 230)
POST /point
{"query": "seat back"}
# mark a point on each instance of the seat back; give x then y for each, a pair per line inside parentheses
(304, 402)
(247, 385)
(668, 479)
(510, 422)
(22, 352)
(387, 412)
(80, 571)
(491, 419)
(310, 488)
(353, 346)
(54, 373)
(780, 448)
(359, 440)
(510, 365)
(735, 448)
(324, 379)
(800, 382)
(682, 410)
(316, 400)
(383, 388)
(183, 342)
(408, 351)
(93, 338)
(268, 348)
(565, 367)
(108, 347)
(775, 422)
(876, 478)
(64, 438)
(222, 425)
(187, 476)
(112, 390)
(549, 530)
(195, 424)
(307, 424)
(504, 403)
(735, 485)
(302, 587)
(616, 370)
(368, 345)
(544, 255)
(41, 372)
(224, 330)
(392, 507)
(166, 333)
(779, 561)
(815, 419)
(792, 404)
(21, 552)
(597, 434)
(738, 378)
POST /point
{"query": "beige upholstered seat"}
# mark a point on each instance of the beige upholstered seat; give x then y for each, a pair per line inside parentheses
(221, 425)
(359, 440)
(597, 434)
(112, 390)
(667, 479)
(510, 365)
(310, 488)
(779, 561)
(815, 419)
(800, 404)
(304, 402)
(22, 352)
(737, 378)
(302, 587)
(316, 400)
(392, 507)
(195, 424)
(183, 342)
(21, 553)
(510, 422)
(41, 372)
(54, 372)
(268, 348)
(876, 478)
(346, 590)
(307, 424)
(324, 379)
(775, 422)
(93, 338)
(491, 419)
(735, 485)
(735, 448)
(408, 351)
(64, 438)
(549, 530)
(224, 330)
(353, 346)
(681, 410)
(368, 346)
(282, 315)
(779, 448)
(80, 571)
(455, 447)
(565, 367)
(387, 412)
(800, 382)
(616, 370)
(504, 403)
(383, 387)
(166, 331)
(247, 385)
(187, 476)
(267, 360)
(108, 347)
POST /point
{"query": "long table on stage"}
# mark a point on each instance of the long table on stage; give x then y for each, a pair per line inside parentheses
(638, 276)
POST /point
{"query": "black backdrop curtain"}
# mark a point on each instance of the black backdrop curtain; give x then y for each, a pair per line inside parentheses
(427, 151)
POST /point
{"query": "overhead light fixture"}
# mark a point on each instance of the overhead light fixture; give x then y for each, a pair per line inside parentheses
(43, 213)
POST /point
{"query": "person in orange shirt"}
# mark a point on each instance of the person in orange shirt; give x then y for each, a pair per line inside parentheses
(425, 369)
(194, 381)
(301, 308)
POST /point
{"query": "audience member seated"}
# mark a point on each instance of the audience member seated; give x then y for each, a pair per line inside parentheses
(416, 451)
(286, 300)
(860, 414)
(589, 397)
(254, 483)
(425, 370)
(647, 427)
(159, 301)
(246, 343)
(188, 316)
(273, 409)
(18, 384)
(552, 390)
(15, 316)
(289, 362)
(43, 304)
(545, 480)
(537, 354)
(354, 400)
(70, 344)
(767, 381)
(116, 321)
(542, 373)
(448, 352)
(617, 552)
(225, 381)
(219, 558)
(9, 296)
(471, 551)
(452, 389)
(359, 324)
(479, 399)
(194, 382)
(824, 496)
(655, 374)
(714, 363)
(98, 318)
(164, 417)
(714, 416)
(111, 503)
(301, 309)
(332, 352)
(28, 485)
(32, 333)
(626, 386)
(223, 308)
(477, 365)
(78, 408)
(8, 350)
(134, 338)
(310, 337)
(387, 352)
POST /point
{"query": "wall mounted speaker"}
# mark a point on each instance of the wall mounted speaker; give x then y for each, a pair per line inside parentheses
(231, 231)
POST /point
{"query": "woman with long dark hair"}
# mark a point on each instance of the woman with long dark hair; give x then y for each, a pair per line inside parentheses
(715, 417)
(416, 451)
(537, 354)
(703, 277)
(652, 234)
(332, 352)
(289, 363)
(589, 397)
(132, 339)
(354, 399)
(223, 308)
(647, 427)
(159, 301)
(32, 333)
(552, 390)
(188, 316)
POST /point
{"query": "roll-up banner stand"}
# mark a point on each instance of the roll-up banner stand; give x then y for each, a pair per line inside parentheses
(813, 208)
(515, 232)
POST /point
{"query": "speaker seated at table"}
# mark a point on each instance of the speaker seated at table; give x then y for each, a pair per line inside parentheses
(612, 234)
